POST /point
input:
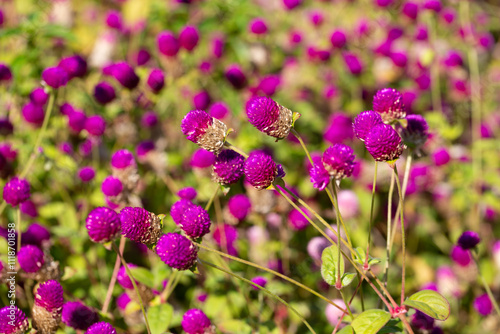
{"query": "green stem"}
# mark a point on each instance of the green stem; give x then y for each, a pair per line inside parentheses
(333, 199)
(263, 289)
(129, 273)
(389, 233)
(403, 236)
(112, 283)
(485, 284)
(405, 185)
(371, 215)
(338, 284)
(234, 148)
(346, 304)
(296, 134)
(211, 200)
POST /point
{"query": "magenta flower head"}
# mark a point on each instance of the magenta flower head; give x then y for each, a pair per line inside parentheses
(76, 121)
(189, 37)
(111, 186)
(47, 310)
(219, 110)
(75, 66)
(461, 256)
(178, 208)
(202, 158)
(441, 157)
(5, 73)
(55, 77)
(316, 246)
(384, 143)
(421, 320)
(218, 44)
(236, 77)
(122, 301)
(123, 279)
(33, 114)
(122, 159)
(239, 206)
(101, 328)
(338, 160)
(389, 104)
(143, 148)
(30, 258)
(410, 10)
(228, 167)
(434, 5)
(201, 100)
(187, 193)
(6, 127)
(291, 4)
(258, 26)
(149, 119)
(468, 240)
(86, 174)
(194, 321)
(38, 96)
(104, 93)
(143, 56)
(36, 235)
(296, 220)
(202, 129)
(339, 128)
(140, 225)
(225, 236)
(338, 39)
(353, 63)
(78, 316)
(269, 117)
(95, 125)
(416, 132)
(195, 221)
(168, 43)
(16, 191)
(12, 315)
(483, 305)
(364, 123)
(156, 80)
(260, 170)
(29, 208)
(125, 75)
(103, 225)
(177, 251)
(260, 281)
(269, 84)
(114, 20)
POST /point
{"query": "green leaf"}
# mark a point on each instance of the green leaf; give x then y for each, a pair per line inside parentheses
(159, 318)
(346, 330)
(370, 321)
(347, 279)
(393, 326)
(361, 257)
(143, 276)
(431, 303)
(329, 264)
(235, 326)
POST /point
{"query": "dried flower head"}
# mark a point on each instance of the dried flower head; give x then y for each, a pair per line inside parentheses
(202, 129)
(269, 117)
(140, 225)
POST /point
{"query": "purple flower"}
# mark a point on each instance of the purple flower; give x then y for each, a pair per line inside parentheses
(319, 176)
(434, 5)
(33, 114)
(125, 75)
(260, 170)
(29, 208)
(16, 191)
(143, 148)
(364, 123)
(75, 66)
(260, 281)
(291, 4)
(410, 10)
(123, 279)
(5, 73)
(421, 320)
(39, 97)
(201, 100)
(168, 43)
(269, 84)
(95, 125)
(122, 159)
(12, 313)
(239, 206)
(353, 63)
(399, 59)
(416, 132)
(149, 119)
(468, 240)
(143, 57)
(176, 251)
(178, 209)
(441, 157)
(36, 235)
(78, 316)
(189, 37)
(55, 77)
(195, 221)
(316, 246)
(218, 110)
(140, 225)
(258, 26)
(156, 80)
(483, 305)
(194, 321)
(101, 328)
(225, 235)
(30, 258)
(236, 77)
(204, 130)
(111, 186)
(123, 300)
(269, 117)
(338, 39)
(218, 46)
(296, 220)
(389, 104)
(49, 296)
(86, 174)
(104, 93)
(338, 160)
(103, 225)
(6, 127)
(76, 120)
(187, 193)
(384, 143)
(114, 20)
(202, 159)
(461, 256)
(228, 167)
(383, 3)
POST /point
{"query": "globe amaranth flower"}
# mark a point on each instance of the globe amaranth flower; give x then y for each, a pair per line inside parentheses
(111, 186)
(388, 102)
(156, 80)
(415, 133)
(260, 170)
(202, 100)
(123, 279)
(114, 20)
(338, 39)
(143, 148)
(16, 191)
(36, 235)
(187, 193)
(33, 114)
(239, 206)
(75, 66)
(339, 128)
(228, 167)
(421, 320)
(125, 75)
(140, 225)
(461, 256)
(468, 240)
(296, 220)
(6, 127)
(258, 26)
(315, 247)
(55, 77)
(149, 119)
(30, 258)
(5, 73)
(410, 10)
(12, 313)
(235, 76)
(225, 236)
(76, 120)
(95, 125)
(483, 305)
(364, 123)
(178, 209)
(29, 208)
(86, 174)
(78, 316)
(353, 63)
(104, 93)
(195, 221)
(260, 281)
(101, 328)
(39, 97)
(142, 57)
(168, 44)
(384, 143)
(202, 159)
(189, 37)
(338, 160)
(122, 159)
(47, 308)
(103, 224)
(202, 129)
(269, 117)
(319, 176)
(194, 321)
(176, 251)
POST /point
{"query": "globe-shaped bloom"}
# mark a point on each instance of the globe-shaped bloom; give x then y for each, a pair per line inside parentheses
(364, 122)
(103, 224)
(21, 323)
(384, 143)
(86, 174)
(30, 258)
(122, 159)
(140, 225)
(178, 208)
(338, 160)
(101, 328)
(104, 93)
(338, 39)
(202, 129)
(95, 125)
(36, 235)
(195, 221)
(388, 102)
(188, 193)
(468, 240)
(168, 44)
(194, 321)
(269, 117)
(239, 206)
(415, 133)
(156, 80)
(33, 114)
(78, 316)
(5, 73)
(39, 97)
(228, 167)
(49, 296)
(55, 77)
(260, 170)
(260, 281)
(461, 256)
(176, 251)
(236, 77)
(16, 191)
(258, 26)
(483, 304)
(189, 37)
(75, 66)
(125, 75)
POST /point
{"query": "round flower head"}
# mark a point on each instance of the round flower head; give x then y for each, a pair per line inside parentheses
(143, 148)
(75, 66)
(332, 313)
(103, 224)
(296, 220)
(194, 321)
(416, 132)
(239, 206)
(168, 43)
(104, 93)
(195, 221)
(55, 77)
(189, 37)
(78, 316)
(5, 73)
(39, 97)
(260, 170)
(219, 110)
(149, 119)
(202, 129)
(76, 121)
(483, 305)
(236, 77)
(95, 125)
(225, 235)
(140, 225)
(11, 314)
(410, 10)
(49, 296)
(260, 281)
(389, 104)
(441, 157)
(30, 258)
(228, 167)
(143, 56)
(353, 63)
(468, 240)
(338, 39)
(86, 174)
(384, 143)
(258, 26)
(338, 160)
(461, 256)
(434, 5)
(122, 301)
(122, 159)
(33, 114)
(176, 251)
(125, 75)
(29, 208)
(6, 127)
(114, 20)
(156, 80)
(36, 235)
(16, 191)
(269, 117)
(269, 84)
(123, 278)
(101, 328)
(187, 193)
(202, 159)
(178, 208)
(421, 320)
(316, 246)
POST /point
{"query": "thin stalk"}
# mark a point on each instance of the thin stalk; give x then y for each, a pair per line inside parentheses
(382, 286)
(389, 226)
(112, 283)
(129, 273)
(338, 284)
(211, 200)
(296, 134)
(406, 323)
(403, 236)
(406, 177)
(374, 185)
(18, 229)
(333, 199)
(485, 284)
(263, 289)
(358, 288)
(234, 148)
(346, 304)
